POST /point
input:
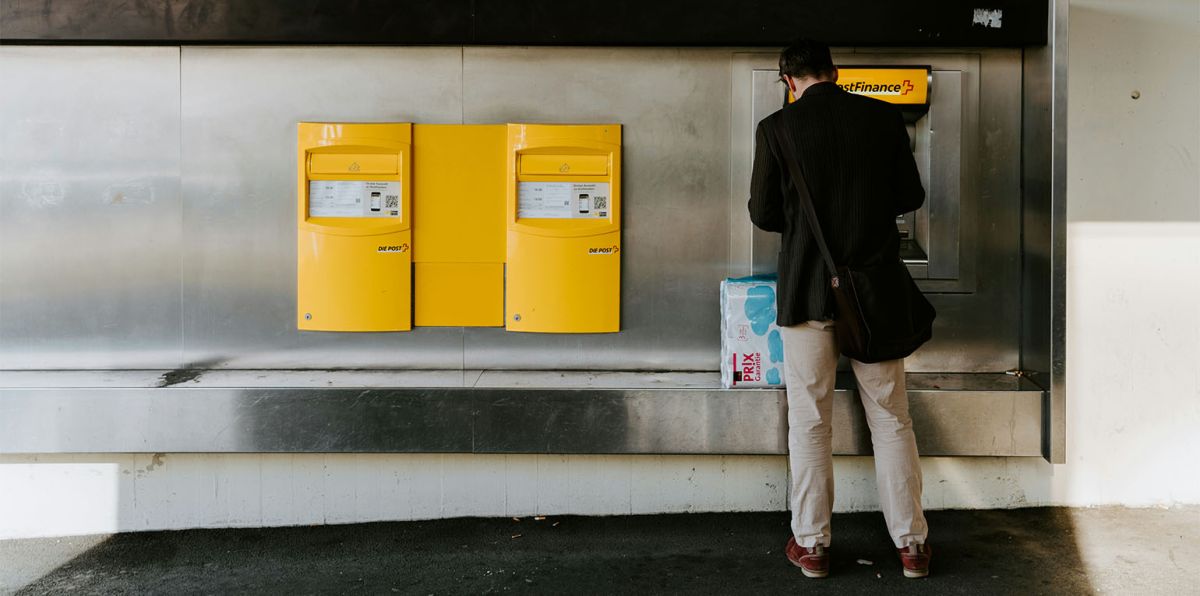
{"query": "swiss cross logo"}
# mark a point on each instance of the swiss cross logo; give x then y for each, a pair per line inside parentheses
(908, 86)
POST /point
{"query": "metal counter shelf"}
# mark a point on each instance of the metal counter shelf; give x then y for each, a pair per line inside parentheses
(232, 411)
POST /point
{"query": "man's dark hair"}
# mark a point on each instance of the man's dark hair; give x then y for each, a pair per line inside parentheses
(806, 57)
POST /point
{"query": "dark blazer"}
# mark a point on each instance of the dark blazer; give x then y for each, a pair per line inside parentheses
(855, 153)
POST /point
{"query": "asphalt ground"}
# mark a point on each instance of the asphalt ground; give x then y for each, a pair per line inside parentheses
(1023, 551)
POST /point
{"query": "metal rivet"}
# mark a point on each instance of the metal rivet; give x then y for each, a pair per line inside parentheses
(1136, 94)
(307, 316)
(517, 317)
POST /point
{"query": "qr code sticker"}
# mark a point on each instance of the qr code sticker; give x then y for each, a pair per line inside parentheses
(391, 202)
(599, 202)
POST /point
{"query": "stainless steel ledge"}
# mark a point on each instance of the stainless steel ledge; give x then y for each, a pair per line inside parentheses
(961, 415)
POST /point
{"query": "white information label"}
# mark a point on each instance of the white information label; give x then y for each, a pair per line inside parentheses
(353, 198)
(563, 200)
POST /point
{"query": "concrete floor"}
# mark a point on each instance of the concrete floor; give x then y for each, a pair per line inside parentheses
(1027, 551)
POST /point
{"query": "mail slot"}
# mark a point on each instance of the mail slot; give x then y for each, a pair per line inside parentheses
(564, 165)
(353, 163)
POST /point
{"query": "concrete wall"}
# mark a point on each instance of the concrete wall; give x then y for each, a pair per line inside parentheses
(1133, 316)
(1133, 362)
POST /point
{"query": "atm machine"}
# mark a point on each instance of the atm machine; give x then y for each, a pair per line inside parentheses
(942, 122)
(963, 113)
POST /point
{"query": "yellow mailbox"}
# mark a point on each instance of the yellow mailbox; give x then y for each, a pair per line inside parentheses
(354, 257)
(564, 228)
(458, 224)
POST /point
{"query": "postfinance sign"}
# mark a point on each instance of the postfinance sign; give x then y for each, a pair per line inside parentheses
(908, 86)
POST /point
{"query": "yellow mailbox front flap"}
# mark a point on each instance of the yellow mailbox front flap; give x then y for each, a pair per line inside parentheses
(354, 284)
(564, 285)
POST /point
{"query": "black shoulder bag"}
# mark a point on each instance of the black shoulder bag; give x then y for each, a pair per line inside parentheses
(880, 312)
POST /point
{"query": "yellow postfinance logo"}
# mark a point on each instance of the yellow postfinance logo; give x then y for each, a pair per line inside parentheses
(893, 85)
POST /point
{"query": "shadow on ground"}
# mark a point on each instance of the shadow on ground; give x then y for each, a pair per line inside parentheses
(1014, 551)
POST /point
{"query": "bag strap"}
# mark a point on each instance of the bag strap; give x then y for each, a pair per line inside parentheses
(792, 158)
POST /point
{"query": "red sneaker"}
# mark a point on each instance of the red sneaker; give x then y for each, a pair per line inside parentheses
(915, 558)
(814, 562)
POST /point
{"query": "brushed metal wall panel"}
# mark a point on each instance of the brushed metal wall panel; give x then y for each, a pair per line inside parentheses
(240, 109)
(996, 422)
(215, 276)
(943, 197)
(766, 99)
(980, 331)
(674, 106)
(89, 207)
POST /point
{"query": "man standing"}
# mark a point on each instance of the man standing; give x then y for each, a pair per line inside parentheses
(854, 153)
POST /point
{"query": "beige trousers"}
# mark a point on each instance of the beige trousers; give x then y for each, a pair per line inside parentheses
(810, 369)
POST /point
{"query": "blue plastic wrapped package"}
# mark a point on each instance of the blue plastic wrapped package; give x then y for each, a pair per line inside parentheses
(751, 347)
